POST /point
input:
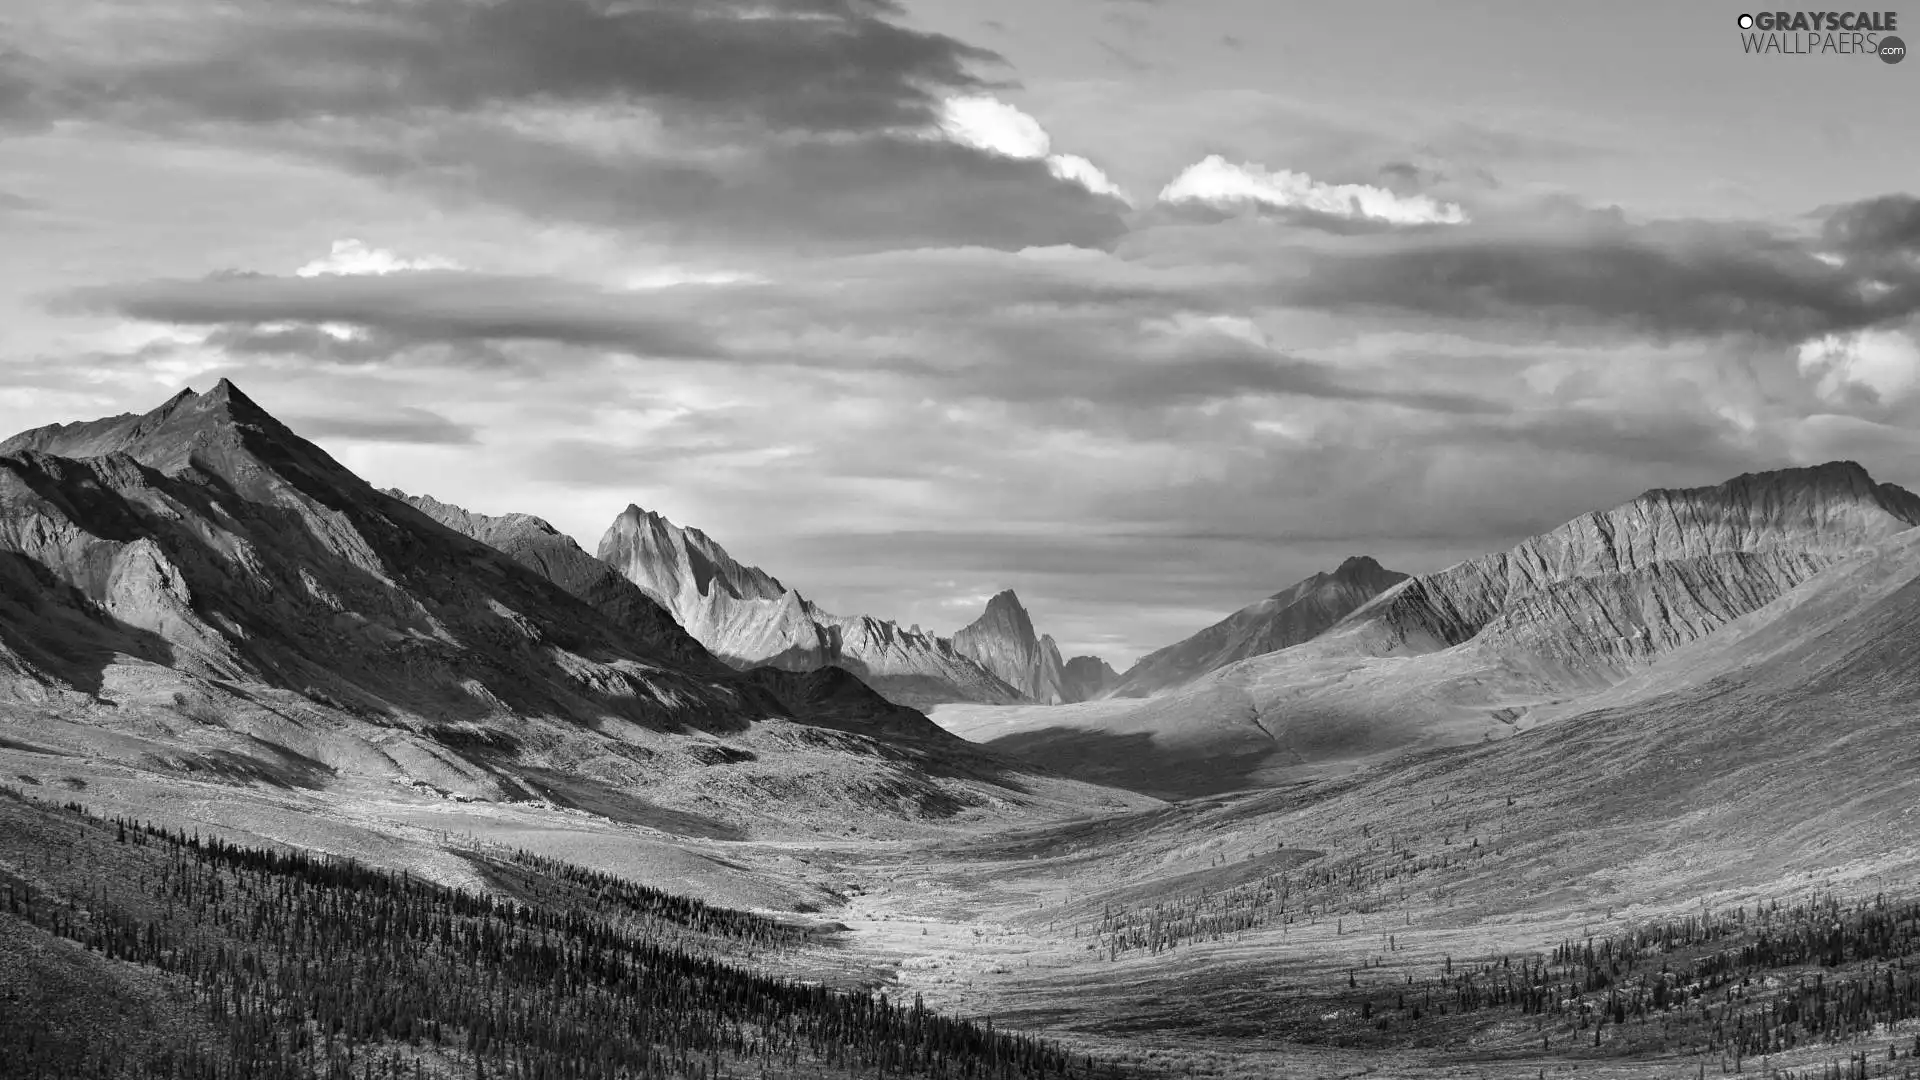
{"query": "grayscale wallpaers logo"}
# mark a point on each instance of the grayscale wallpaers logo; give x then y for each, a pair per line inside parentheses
(1824, 33)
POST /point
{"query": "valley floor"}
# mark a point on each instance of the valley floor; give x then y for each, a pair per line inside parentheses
(1271, 934)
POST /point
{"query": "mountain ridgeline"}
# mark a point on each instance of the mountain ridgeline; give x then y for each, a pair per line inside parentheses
(1623, 585)
(1478, 651)
(747, 618)
(199, 592)
(1298, 613)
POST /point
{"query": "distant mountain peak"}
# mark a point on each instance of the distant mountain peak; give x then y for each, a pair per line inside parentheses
(1003, 641)
(1297, 613)
(1005, 600)
(747, 617)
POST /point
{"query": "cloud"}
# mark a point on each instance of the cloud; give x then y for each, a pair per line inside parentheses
(1884, 225)
(989, 124)
(354, 257)
(804, 65)
(1216, 182)
(737, 122)
(1883, 363)
(409, 307)
(407, 424)
(1663, 278)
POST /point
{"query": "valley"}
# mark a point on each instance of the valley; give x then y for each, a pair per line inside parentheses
(1671, 858)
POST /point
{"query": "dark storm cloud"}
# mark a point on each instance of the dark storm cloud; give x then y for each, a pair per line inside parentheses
(785, 122)
(1888, 224)
(1686, 278)
(814, 65)
(414, 426)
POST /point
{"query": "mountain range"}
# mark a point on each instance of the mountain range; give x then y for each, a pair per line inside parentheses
(198, 591)
(1298, 613)
(747, 618)
(1480, 650)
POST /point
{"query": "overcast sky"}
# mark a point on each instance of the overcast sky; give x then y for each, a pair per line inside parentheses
(1143, 309)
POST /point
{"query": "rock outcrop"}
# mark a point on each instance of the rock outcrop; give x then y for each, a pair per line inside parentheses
(1003, 641)
(1300, 612)
(747, 618)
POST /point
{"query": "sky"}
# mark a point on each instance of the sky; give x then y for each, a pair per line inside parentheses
(1143, 309)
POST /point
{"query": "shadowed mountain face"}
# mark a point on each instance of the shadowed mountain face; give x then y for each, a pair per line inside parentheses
(1483, 648)
(1298, 613)
(205, 535)
(1085, 678)
(748, 619)
(1003, 641)
(827, 697)
(199, 591)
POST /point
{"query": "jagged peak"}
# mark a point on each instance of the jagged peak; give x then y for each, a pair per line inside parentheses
(1005, 600)
(1355, 565)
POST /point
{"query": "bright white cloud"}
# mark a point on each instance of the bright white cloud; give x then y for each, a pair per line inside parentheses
(989, 124)
(1085, 173)
(354, 257)
(1216, 181)
(1886, 362)
(668, 277)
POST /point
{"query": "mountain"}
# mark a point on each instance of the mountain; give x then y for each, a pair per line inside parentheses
(1298, 613)
(825, 697)
(1482, 649)
(747, 618)
(1002, 640)
(197, 593)
(1084, 678)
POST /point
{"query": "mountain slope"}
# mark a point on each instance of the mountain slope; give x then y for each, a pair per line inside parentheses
(828, 697)
(1468, 653)
(748, 619)
(1085, 678)
(203, 592)
(1297, 613)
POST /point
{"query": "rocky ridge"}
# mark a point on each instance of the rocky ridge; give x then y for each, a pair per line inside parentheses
(1298, 613)
(1003, 641)
(747, 618)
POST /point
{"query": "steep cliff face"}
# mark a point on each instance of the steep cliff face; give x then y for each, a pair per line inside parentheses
(748, 619)
(1629, 583)
(1298, 613)
(1003, 641)
(1086, 678)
